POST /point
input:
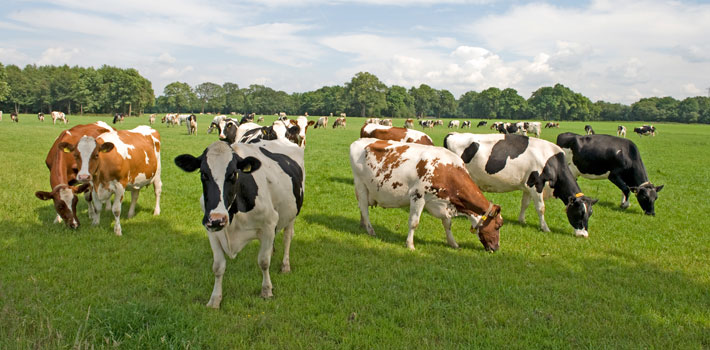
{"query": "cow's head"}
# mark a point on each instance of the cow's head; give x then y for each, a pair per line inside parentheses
(579, 209)
(64, 198)
(86, 153)
(228, 131)
(488, 227)
(303, 123)
(225, 176)
(647, 194)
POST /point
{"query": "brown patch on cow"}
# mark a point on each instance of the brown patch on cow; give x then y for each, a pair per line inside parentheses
(396, 184)
(454, 184)
(422, 140)
(388, 158)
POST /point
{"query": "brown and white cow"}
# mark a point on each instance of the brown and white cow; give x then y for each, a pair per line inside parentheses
(321, 123)
(386, 122)
(40, 116)
(339, 122)
(303, 123)
(58, 116)
(395, 174)
(117, 161)
(409, 123)
(151, 119)
(395, 134)
(62, 173)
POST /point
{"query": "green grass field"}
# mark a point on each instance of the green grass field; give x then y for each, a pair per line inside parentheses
(636, 282)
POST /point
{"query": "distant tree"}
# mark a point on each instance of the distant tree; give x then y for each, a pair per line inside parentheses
(233, 98)
(367, 94)
(511, 105)
(486, 103)
(613, 111)
(445, 104)
(561, 103)
(210, 95)
(424, 99)
(20, 94)
(179, 96)
(4, 88)
(466, 104)
(399, 103)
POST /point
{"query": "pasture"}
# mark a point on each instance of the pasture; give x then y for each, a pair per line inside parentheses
(636, 282)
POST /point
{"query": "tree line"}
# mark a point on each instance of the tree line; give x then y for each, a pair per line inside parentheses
(110, 89)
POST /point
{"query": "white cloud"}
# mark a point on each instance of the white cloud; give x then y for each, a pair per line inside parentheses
(692, 89)
(12, 56)
(57, 56)
(165, 58)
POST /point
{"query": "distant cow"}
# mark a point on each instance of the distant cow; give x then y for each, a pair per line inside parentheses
(339, 122)
(481, 123)
(505, 128)
(373, 121)
(588, 129)
(217, 123)
(426, 124)
(13, 117)
(505, 163)
(303, 123)
(438, 122)
(409, 123)
(645, 130)
(249, 191)
(118, 117)
(247, 118)
(343, 115)
(260, 119)
(621, 131)
(58, 116)
(62, 173)
(40, 116)
(0, 116)
(191, 124)
(182, 118)
(321, 123)
(115, 162)
(394, 175)
(454, 124)
(552, 125)
(532, 128)
(395, 134)
(614, 158)
(466, 124)
(386, 122)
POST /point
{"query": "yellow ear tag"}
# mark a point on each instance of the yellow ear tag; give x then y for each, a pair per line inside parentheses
(580, 194)
(66, 150)
(247, 168)
(483, 218)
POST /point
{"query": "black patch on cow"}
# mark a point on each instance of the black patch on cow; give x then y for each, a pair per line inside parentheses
(293, 170)
(469, 152)
(230, 132)
(245, 192)
(510, 147)
(258, 134)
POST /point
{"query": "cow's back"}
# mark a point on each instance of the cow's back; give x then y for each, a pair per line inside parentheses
(135, 159)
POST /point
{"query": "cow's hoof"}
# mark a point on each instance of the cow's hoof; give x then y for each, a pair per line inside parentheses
(214, 302)
(156, 212)
(545, 229)
(118, 232)
(411, 247)
(266, 293)
(285, 268)
(581, 233)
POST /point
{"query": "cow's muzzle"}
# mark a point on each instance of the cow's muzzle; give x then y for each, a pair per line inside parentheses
(83, 178)
(216, 221)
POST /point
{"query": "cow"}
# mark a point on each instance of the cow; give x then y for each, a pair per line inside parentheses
(505, 163)
(228, 130)
(439, 122)
(343, 115)
(58, 116)
(151, 119)
(321, 123)
(252, 133)
(481, 123)
(533, 128)
(426, 124)
(282, 114)
(0, 116)
(505, 128)
(552, 125)
(13, 117)
(182, 118)
(621, 131)
(247, 118)
(40, 116)
(114, 162)
(62, 173)
(588, 129)
(409, 123)
(303, 123)
(454, 124)
(339, 122)
(249, 191)
(118, 117)
(395, 134)
(373, 121)
(191, 124)
(260, 119)
(216, 123)
(645, 130)
(394, 174)
(614, 158)
(282, 118)
(466, 124)
(386, 122)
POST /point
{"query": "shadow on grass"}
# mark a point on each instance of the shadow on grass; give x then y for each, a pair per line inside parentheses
(342, 180)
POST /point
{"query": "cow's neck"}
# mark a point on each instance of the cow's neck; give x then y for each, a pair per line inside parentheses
(565, 185)
(61, 172)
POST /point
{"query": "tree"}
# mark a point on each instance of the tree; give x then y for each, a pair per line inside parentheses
(367, 94)
(445, 104)
(467, 104)
(613, 111)
(486, 103)
(511, 105)
(233, 98)
(561, 103)
(400, 104)
(424, 98)
(179, 96)
(210, 95)
(4, 88)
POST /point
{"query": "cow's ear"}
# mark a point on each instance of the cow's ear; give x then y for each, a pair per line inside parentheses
(81, 188)
(659, 188)
(496, 210)
(249, 164)
(65, 147)
(188, 162)
(634, 189)
(106, 147)
(43, 195)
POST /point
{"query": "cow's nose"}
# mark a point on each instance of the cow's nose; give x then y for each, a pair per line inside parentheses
(217, 221)
(83, 178)
(74, 224)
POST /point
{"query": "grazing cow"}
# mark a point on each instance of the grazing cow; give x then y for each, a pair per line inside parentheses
(409, 123)
(533, 128)
(481, 123)
(505, 163)
(249, 191)
(260, 119)
(191, 124)
(439, 122)
(62, 173)
(339, 122)
(552, 125)
(118, 117)
(253, 133)
(117, 161)
(646, 130)
(505, 128)
(426, 124)
(454, 124)
(151, 119)
(394, 174)
(588, 129)
(40, 116)
(373, 121)
(343, 115)
(621, 131)
(614, 158)
(321, 123)
(466, 124)
(13, 117)
(386, 122)
(394, 133)
(58, 116)
(247, 118)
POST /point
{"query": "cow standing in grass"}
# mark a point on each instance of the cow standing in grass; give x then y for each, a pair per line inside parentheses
(621, 131)
(249, 191)
(40, 116)
(394, 174)
(395, 134)
(58, 116)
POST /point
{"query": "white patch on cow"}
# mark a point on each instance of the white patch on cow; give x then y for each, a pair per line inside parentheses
(143, 130)
(86, 147)
(140, 180)
(68, 132)
(120, 146)
(217, 160)
(147, 160)
(104, 125)
(581, 233)
(67, 196)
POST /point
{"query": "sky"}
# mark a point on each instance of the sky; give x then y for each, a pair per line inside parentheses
(616, 51)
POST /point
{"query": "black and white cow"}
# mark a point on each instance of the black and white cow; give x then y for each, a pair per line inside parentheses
(216, 123)
(505, 163)
(621, 131)
(614, 158)
(481, 123)
(466, 124)
(249, 191)
(505, 128)
(588, 129)
(645, 130)
(248, 134)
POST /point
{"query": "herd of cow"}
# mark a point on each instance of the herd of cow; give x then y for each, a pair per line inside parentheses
(253, 178)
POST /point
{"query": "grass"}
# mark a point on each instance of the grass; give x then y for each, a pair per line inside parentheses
(636, 282)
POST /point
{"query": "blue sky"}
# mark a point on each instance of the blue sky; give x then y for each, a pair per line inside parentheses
(618, 51)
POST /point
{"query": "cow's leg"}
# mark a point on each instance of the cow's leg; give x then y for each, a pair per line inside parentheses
(625, 191)
(58, 219)
(539, 203)
(158, 189)
(288, 235)
(524, 203)
(116, 208)
(219, 264)
(134, 200)
(361, 194)
(416, 205)
(265, 250)
(90, 205)
(98, 204)
(446, 221)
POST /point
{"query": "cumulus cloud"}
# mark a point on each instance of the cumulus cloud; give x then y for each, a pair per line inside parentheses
(57, 56)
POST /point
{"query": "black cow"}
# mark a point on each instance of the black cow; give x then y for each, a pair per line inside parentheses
(646, 130)
(613, 158)
(249, 191)
(588, 129)
(481, 123)
(552, 125)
